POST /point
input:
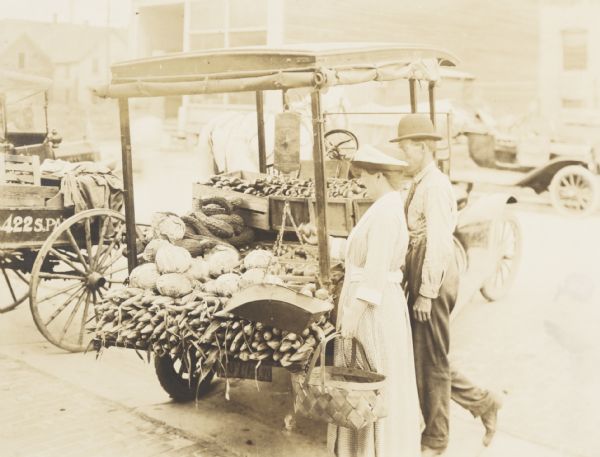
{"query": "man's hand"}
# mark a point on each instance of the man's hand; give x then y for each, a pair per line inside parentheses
(422, 309)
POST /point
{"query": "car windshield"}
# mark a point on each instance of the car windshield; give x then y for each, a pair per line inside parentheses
(26, 114)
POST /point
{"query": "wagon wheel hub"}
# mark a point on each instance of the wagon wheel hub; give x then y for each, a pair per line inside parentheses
(95, 280)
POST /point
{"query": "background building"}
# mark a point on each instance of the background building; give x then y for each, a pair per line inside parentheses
(476, 32)
(570, 68)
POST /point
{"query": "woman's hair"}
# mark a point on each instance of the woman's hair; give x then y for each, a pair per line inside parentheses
(395, 178)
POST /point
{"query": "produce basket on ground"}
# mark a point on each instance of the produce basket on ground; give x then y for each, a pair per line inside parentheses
(346, 396)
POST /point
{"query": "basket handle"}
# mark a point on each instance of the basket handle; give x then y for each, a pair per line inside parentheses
(320, 354)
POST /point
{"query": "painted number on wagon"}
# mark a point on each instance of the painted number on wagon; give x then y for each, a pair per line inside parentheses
(28, 224)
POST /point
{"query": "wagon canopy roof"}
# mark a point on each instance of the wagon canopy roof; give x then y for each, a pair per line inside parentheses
(268, 68)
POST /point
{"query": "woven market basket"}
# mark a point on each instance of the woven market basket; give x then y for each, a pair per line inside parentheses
(345, 396)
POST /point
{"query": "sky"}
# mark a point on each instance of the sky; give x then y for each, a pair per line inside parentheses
(93, 12)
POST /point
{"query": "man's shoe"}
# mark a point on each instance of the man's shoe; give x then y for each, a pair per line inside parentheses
(490, 419)
(430, 452)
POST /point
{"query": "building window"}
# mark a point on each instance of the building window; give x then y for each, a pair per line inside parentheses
(228, 23)
(575, 49)
(572, 103)
(21, 60)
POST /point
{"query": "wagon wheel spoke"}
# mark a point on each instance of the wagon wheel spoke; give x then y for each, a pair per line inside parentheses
(76, 248)
(63, 306)
(71, 317)
(6, 278)
(110, 247)
(101, 240)
(21, 276)
(84, 317)
(88, 242)
(66, 260)
(60, 292)
(59, 276)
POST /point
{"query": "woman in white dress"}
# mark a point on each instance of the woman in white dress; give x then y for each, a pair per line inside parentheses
(372, 308)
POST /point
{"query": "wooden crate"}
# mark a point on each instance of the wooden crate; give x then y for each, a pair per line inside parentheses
(340, 217)
(298, 207)
(254, 209)
(17, 169)
(20, 196)
(360, 207)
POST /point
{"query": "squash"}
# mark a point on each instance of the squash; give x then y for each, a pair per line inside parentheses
(259, 258)
(174, 285)
(252, 276)
(227, 284)
(144, 276)
(199, 270)
(222, 259)
(172, 259)
(149, 253)
(168, 226)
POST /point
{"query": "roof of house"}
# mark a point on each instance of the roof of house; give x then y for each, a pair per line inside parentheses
(61, 42)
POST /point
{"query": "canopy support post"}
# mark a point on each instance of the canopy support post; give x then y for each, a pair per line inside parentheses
(413, 95)
(260, 121)
(432, 102)
(128, 183)
(320, 185)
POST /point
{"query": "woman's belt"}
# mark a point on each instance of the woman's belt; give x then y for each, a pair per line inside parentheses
(358, 275)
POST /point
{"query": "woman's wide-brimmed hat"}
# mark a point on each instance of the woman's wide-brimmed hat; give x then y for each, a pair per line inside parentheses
(373, 159)
(416, 127)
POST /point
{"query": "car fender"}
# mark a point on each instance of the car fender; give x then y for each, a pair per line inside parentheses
(539, 179)
(475, 221)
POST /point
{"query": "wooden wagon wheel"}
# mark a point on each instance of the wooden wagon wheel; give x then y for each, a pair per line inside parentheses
(574, 191)
(507, 250)
(176, 378)
(14, 281)
(75, 266)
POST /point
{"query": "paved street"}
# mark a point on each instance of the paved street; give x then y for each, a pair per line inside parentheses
(537, 347)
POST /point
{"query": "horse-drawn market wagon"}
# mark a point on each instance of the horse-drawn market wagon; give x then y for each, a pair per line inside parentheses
(226, 288)
(51, 251)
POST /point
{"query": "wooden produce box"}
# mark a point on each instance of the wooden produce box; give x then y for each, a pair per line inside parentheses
(298, 207)
(254, 209)
(340, 217)
(19, 169)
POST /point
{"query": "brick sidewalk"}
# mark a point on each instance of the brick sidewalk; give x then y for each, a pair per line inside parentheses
(41, 416)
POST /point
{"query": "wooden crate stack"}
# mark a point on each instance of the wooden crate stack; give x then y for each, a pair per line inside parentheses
(17, 169)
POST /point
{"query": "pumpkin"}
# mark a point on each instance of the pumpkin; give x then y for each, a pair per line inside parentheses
(149, 253)
(259, 258)
(172, 259)
(174, 285)
(168, 226)
(144, 276)
(199, 270)
(222, 259)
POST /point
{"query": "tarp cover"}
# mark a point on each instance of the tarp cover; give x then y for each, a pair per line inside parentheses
(239, 71)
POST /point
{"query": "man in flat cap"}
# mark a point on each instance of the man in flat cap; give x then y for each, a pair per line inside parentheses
(432, 287)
